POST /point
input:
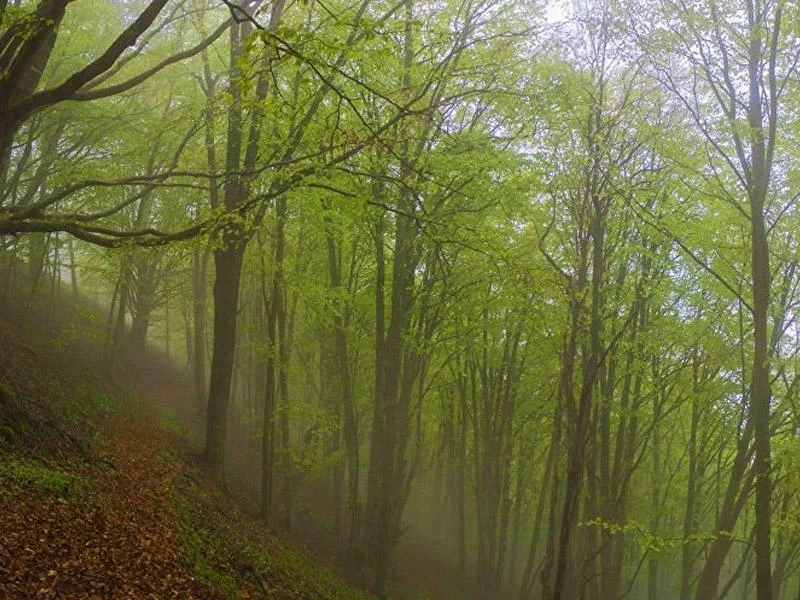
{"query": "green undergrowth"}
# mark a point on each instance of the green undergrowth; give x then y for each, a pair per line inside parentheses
(233, 566)
(85, 403)
(205, 551)
(288, 564)
(37, 477)
(170, 421)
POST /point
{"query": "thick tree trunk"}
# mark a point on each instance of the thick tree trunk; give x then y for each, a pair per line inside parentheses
(23, 63)
(228, 261)
(228, 266)
(402, 282)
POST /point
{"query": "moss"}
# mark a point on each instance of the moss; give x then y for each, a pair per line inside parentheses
(40, 478)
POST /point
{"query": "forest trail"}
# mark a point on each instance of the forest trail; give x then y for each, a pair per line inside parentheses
(99, 496)
(117, 539)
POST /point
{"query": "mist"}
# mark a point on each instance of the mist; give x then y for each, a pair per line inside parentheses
(407, 299)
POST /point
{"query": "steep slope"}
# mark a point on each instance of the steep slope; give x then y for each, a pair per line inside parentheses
(99, 500)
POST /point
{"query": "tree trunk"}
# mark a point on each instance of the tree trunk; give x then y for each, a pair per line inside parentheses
(199, 298)
(691, 490)
(348, 399)
(760, 393)
(228, 266)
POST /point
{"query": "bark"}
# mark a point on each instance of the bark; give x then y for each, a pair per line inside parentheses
(760, 393)
(567, 401)
(144, 294)
(655, 505)
(73, 268)
(565, 578)
(548, 488)
(493, 408)
(228, 266)
(23, 58)
(235, 236)
(200, 255)
(390, 457)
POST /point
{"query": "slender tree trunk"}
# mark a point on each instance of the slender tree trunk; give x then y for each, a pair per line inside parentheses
(199, 299)
(461, 497)
(761, 393)
(567, 402)
(736, 493)
(565, 580)
(691, 491)
(547, 488)
(655, 507)
(73, 268)
(348, 400)
(379, 408)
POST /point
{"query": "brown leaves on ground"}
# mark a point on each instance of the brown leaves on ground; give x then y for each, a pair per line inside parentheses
(115, 540)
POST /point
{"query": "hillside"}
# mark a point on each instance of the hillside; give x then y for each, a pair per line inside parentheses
(100, 495)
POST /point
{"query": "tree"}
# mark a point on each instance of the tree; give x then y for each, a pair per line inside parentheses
(28, 38)
(737, 54)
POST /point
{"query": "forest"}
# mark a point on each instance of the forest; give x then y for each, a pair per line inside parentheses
(506, 288)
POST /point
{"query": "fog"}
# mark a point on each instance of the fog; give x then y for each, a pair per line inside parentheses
(466, 299)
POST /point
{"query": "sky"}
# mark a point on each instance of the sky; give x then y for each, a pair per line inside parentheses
(555, 11)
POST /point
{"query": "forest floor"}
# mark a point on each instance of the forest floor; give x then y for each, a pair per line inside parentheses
(100, 496)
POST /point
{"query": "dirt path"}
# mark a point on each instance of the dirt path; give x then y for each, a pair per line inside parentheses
(114, 539)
